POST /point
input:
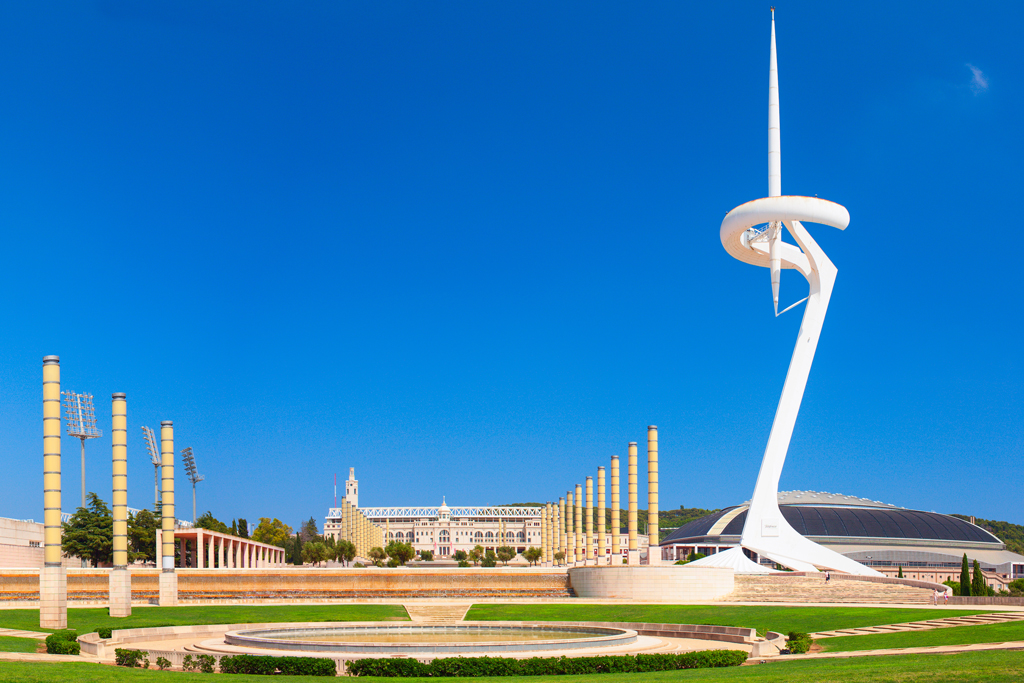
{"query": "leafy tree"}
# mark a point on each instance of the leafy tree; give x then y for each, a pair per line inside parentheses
(346, 551)
(460, 556)
(400, 552)
(490, 559)
(308, 531)
(427, 555)
(142, 536)
(272, 532)
(1016, 587)
(559, 557)
(533, 555)
(1010, 534)
(978, 585)
(965, 578)
(243, 528)
(505, 554)
(476, 554)
(208, 521)
(314, 553)
(899, 575)
(378, 555)
(234, 528)
(90, 532)
(955, 585)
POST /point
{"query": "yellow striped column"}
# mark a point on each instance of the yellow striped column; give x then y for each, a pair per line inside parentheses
(561, 528)
(570, 532)
(120, 582)
(53, 585)
(653, 549)
(544, 533)
(634, 551)
(168, 579)
(579, 522)
(590, 521)
(602, 547)
(616, 504)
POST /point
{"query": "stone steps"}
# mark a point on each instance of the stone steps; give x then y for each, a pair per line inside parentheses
(775, 588)
(437, 614)
(16, 633)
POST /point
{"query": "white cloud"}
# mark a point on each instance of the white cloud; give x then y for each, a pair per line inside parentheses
(979, 83)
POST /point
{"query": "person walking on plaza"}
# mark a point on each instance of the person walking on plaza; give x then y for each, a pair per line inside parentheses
(828, 577)
(945, 598)
(935, 596)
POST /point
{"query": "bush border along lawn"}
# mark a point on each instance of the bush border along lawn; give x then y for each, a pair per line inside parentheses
(88, 619)
(763, 618)
(967, 667)
(957, 635)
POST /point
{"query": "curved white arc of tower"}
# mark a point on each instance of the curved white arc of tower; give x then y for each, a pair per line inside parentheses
(765, 530)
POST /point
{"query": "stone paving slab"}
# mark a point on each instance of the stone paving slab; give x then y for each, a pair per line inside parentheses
(948, 622)
(15, 633)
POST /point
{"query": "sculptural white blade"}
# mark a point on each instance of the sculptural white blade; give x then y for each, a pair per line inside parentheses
(765, 531)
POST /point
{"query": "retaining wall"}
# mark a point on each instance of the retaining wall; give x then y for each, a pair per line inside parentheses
(653, 584)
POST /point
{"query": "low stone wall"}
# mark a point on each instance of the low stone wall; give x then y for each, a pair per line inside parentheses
(90, 586)
(652, 584)
(985, 600)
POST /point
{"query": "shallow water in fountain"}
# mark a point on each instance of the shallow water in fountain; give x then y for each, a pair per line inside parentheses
(437, 635)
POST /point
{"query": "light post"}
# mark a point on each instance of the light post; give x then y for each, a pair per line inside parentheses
(193, 476)
(80, 417)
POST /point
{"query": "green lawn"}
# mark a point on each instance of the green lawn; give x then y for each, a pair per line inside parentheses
(85, 620)
(12, 644)
(987, 667)
(763, 618)
(958, 635)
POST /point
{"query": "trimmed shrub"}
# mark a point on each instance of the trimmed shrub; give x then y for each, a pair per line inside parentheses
(131, 658)
(306, 666)
(63, 643)
(188, 663)
(538, 666)
(162, 663)
(206, 663)
(104, 632)
(267, 666)
(463, 563)
(799, 643)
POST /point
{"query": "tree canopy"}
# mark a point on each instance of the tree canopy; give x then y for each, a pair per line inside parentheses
(90, 532)
(142, 535)
(208, 521)
(272, 532)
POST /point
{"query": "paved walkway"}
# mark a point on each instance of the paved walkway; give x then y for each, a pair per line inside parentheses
(948, 622)
(936, 650)
(15, 633)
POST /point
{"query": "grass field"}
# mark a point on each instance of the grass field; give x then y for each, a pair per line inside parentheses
(12, 644)
(88, 619)
(763, 618)
(959, 635)
(971, 667)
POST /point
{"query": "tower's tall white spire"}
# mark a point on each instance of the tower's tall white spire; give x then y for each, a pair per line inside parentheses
(774, 168)
(774, 145)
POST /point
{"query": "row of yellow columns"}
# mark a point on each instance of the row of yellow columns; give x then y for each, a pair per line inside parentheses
(568, 525)
(357, 528)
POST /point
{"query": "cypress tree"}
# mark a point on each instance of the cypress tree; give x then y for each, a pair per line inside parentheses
(965, 578)
(900, 575)
(978, 586)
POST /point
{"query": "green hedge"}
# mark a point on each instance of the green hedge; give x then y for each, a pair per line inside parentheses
(551, 666)
(798, 643)
(63, 643)
(131, 658)
(268, 666)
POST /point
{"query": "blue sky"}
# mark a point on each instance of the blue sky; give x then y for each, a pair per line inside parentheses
(471, 249)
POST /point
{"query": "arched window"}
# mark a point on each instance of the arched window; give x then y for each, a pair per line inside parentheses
(489, 536)
(390, 535)
(443, 535)
(521, 536)
(478, 536)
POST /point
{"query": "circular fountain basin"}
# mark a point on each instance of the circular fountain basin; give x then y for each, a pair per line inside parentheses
(438, 640)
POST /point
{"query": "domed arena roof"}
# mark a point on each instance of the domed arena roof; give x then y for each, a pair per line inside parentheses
(835, 516)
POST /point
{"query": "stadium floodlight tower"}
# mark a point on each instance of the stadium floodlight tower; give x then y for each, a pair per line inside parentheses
(193, 476)
(80, 421)
(154, 457)
(752, 233)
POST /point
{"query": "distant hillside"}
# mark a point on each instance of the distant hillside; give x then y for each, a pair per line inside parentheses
(1010, 534)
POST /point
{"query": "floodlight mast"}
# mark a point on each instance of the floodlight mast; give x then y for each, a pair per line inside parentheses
(80, 418)
(193, 476)
(154, 457)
